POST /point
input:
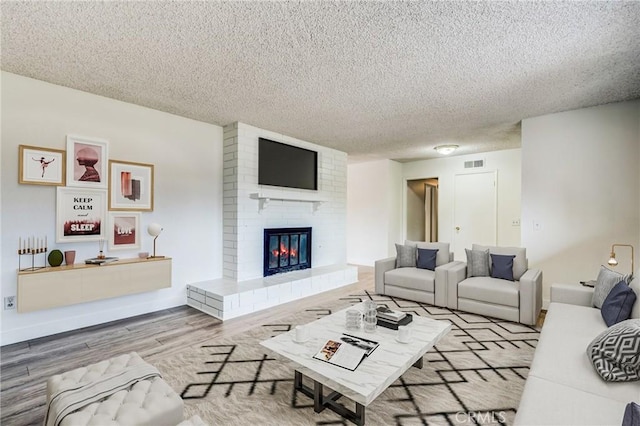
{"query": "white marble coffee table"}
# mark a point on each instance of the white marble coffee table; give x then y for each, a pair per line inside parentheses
(379, 370)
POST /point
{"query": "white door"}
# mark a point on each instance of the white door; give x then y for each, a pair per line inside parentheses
(474, 211)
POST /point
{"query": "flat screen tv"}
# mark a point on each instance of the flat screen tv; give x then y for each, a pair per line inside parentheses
(286, 165)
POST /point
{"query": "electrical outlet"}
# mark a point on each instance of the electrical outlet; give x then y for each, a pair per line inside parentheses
(515, 222)
(9, 303)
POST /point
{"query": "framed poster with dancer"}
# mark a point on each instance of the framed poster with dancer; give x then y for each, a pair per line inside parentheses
(130, 186)
(87, 162)
(41, 166)
(80, 214)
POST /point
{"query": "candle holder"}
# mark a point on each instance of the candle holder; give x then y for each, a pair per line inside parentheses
(32, 246)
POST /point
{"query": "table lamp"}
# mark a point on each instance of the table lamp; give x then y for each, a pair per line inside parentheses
(154, 230)
(613, 262)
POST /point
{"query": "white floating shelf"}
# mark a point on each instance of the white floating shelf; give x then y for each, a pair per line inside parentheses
(264, 196)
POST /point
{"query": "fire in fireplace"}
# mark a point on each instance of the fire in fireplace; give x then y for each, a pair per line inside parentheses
(286, 249)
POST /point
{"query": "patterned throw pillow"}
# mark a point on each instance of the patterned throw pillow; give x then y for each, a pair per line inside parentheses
(406, 256)
(615, 353)
(477, 263)
(502, 266)
(427, 258)
(606, 280)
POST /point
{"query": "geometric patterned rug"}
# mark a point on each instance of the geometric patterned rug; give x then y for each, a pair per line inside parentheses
(474, 375)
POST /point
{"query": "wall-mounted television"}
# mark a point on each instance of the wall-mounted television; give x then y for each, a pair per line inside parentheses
(285, 165)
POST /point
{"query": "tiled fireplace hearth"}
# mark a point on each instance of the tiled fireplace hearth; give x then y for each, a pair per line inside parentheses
(226, 299)
(260, 272)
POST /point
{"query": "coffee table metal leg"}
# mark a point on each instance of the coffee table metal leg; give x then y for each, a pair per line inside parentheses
(419, 363)
(330, 402)
(318, 404)
(359, 414)
(297, 380)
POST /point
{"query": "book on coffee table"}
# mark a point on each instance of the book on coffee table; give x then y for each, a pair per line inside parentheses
(389, 314)
(347, 351)
(382, 322)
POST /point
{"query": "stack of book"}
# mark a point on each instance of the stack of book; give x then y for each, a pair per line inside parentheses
(100, 260)
(392, 319)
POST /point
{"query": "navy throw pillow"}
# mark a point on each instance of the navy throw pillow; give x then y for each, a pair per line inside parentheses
(618, 304)
(427, 259)
(502, 266)
(631, 415)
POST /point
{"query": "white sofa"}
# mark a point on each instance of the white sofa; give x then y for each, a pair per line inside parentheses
(563, 388)
(420, 285)
(518, 301)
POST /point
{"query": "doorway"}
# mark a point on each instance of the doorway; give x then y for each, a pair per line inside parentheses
(475, 211)
(422, 209)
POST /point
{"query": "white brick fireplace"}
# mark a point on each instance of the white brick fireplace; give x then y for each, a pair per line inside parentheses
(249, 208)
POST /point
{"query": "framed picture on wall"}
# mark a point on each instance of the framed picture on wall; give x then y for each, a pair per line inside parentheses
(87, 162)
(130, 186)
(124, 231)
(80, 214)
(41, 166)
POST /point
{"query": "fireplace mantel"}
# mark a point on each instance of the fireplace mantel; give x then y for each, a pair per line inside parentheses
(266, 195)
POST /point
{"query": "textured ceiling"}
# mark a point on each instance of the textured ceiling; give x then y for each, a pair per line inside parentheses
(374, 79)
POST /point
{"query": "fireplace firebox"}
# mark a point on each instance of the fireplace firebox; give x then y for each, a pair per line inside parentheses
(286, 249)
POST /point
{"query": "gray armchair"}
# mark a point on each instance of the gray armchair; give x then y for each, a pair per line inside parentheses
(412, 283)
(519, 300)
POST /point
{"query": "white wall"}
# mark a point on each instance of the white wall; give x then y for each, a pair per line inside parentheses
(580, 182)
(506, 163)
(374, 197)
(245, 222)
(187, 155)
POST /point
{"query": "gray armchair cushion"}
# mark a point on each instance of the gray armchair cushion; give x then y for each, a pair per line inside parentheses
(413, 278)
(490, 290)
(606, 280)
(443, 250)
(520, 263)
(477, 263)
(406, 257)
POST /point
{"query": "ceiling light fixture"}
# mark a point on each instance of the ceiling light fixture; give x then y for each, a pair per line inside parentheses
(446, 149)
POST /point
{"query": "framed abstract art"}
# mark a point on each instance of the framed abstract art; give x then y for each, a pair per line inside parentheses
(130, 186)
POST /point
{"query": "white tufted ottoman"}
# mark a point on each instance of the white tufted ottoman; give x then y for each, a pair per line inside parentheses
(148, 402)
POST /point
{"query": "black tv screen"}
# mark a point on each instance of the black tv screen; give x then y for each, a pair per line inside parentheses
(285, 165)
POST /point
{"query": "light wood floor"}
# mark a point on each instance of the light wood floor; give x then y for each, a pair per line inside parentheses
(25, 366)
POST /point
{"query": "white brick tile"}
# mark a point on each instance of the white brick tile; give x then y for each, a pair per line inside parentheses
(214, 303)
(245, 299)
(196, 296)
(194, 303)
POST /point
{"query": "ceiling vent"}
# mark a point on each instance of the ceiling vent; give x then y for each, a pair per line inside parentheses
(473, 164)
